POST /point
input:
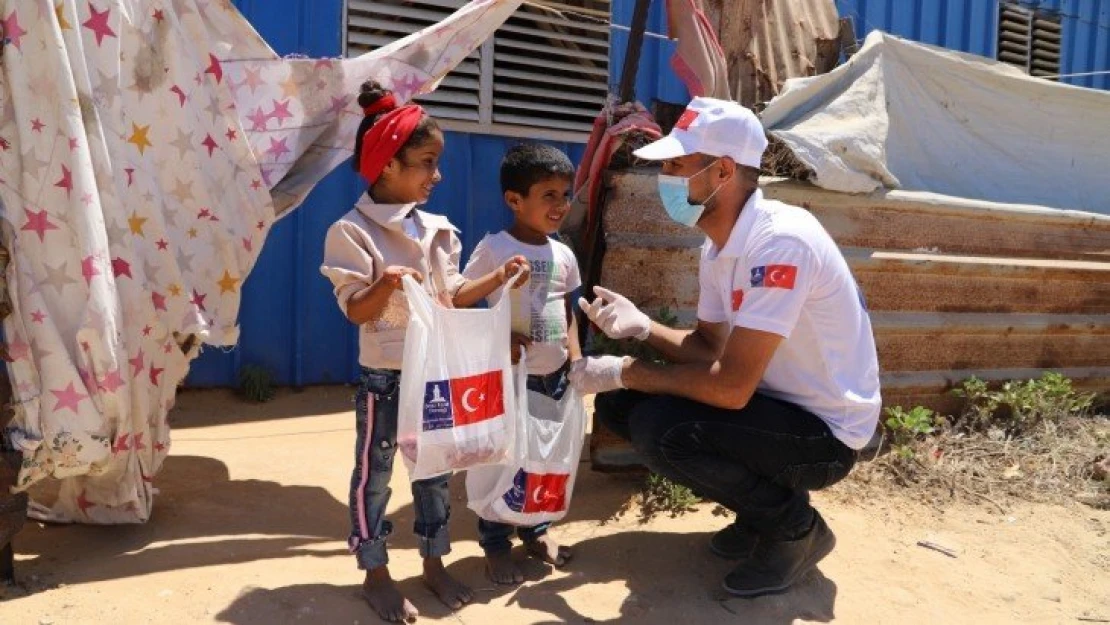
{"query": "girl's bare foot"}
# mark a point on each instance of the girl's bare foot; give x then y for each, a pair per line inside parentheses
(450, 591)
(545, 548)
(381, 593)
(501, 568)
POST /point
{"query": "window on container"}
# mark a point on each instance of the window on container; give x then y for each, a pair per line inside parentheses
(1030, 39)
(544, 71)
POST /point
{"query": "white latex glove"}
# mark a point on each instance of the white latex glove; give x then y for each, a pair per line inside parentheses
(617, 317)
(597, 374)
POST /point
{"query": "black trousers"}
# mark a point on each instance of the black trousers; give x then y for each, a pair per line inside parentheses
(760, 461)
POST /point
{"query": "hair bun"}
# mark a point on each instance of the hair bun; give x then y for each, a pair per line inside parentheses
(370, 92)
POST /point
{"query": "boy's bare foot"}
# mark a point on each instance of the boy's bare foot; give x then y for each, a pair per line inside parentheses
(545, 548)
(450, 591)
(381, 593)
(501, 568)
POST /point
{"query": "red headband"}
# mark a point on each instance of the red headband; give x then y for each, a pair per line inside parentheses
(384, 104)
(384, 139)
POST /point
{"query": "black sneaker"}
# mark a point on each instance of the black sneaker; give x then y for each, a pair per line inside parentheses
(734, 542)
(776, 566)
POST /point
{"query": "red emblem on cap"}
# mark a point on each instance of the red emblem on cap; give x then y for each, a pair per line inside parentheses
(688, 117)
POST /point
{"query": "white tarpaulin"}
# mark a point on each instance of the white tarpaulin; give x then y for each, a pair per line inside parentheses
(904, 115)
(146, 148)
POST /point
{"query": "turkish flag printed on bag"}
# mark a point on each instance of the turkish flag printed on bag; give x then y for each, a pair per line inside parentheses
(477, 398)
(538, 492)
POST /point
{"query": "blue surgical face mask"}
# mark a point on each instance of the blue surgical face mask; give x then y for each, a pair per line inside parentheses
(674, 191)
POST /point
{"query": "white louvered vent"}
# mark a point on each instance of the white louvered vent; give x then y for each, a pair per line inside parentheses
(543, 69)
(1030, 40)
(372, 24)
(552, 69)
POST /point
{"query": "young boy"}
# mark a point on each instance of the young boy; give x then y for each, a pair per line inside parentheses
(536, 181)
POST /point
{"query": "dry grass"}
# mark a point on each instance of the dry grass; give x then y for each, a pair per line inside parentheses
(1053, 463)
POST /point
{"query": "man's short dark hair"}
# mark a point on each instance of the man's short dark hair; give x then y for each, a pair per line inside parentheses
(528, 163)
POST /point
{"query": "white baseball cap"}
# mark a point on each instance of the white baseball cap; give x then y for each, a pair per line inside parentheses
(713, 127)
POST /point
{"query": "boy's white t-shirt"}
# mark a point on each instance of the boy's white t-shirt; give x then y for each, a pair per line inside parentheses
(539, 307)
(781, 272)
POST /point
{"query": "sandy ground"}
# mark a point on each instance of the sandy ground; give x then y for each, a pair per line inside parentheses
(250, 524)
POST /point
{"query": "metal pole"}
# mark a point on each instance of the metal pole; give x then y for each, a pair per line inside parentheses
(632, 54)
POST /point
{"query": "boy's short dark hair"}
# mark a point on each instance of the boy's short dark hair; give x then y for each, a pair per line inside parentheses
(528, 163)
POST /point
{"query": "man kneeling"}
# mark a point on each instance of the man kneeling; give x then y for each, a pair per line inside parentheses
(776, 388)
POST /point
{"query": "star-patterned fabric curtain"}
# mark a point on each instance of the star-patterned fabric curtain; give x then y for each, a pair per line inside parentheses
(146, 148)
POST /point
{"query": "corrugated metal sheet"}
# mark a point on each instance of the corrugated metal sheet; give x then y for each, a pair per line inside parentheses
(972, 26)
(290, 323)
(767, 42)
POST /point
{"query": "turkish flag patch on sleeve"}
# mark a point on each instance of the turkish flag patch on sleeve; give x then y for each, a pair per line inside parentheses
(477, 398)
(774, 276)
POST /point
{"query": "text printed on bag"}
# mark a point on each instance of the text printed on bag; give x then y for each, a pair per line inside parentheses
(463, 401)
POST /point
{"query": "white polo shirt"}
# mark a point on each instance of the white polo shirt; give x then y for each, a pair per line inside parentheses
(781, 272)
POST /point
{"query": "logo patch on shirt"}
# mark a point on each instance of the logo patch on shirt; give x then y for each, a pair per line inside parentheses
(774, 276)
(737, 299)
(686, 119)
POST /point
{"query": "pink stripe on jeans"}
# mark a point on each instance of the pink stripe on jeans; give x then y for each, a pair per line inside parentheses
(360, 492)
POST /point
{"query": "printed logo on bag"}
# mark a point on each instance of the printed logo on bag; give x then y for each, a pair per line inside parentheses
(686, 119)
(437, 406)
(537, 492)
(463, 401)
(774, 276)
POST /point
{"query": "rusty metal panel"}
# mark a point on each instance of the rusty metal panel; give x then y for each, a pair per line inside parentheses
(768, 41)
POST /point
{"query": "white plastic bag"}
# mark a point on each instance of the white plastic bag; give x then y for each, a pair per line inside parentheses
(457, 402)
(536, 487)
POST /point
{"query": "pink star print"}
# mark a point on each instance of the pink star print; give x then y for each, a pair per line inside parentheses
(247, 244)
(68, 398)
(121, 444)
(84, 503)
(231, 134)
(130, 171)
(253, 78)
(38, 316)
(12, 30)
(209, 143)
(38, 222)
(112, 381)
(121, 267)
(198, 300)
(180, 94)
(18, 350)
(162, 244)
(98, 23)
(136, 364)
(88, 269)
(66, 182)
(258, 120)
(214, 68)
(37, 125)
(278, 148)
(154, 373)
(281, 111)
(159, 301)
(137, 445)
(407, 87)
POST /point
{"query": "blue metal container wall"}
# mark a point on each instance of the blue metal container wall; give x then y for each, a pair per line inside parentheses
(655, 79)
(972, 26)
(289, 322)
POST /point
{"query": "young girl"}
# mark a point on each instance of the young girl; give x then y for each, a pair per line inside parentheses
(366, 254)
